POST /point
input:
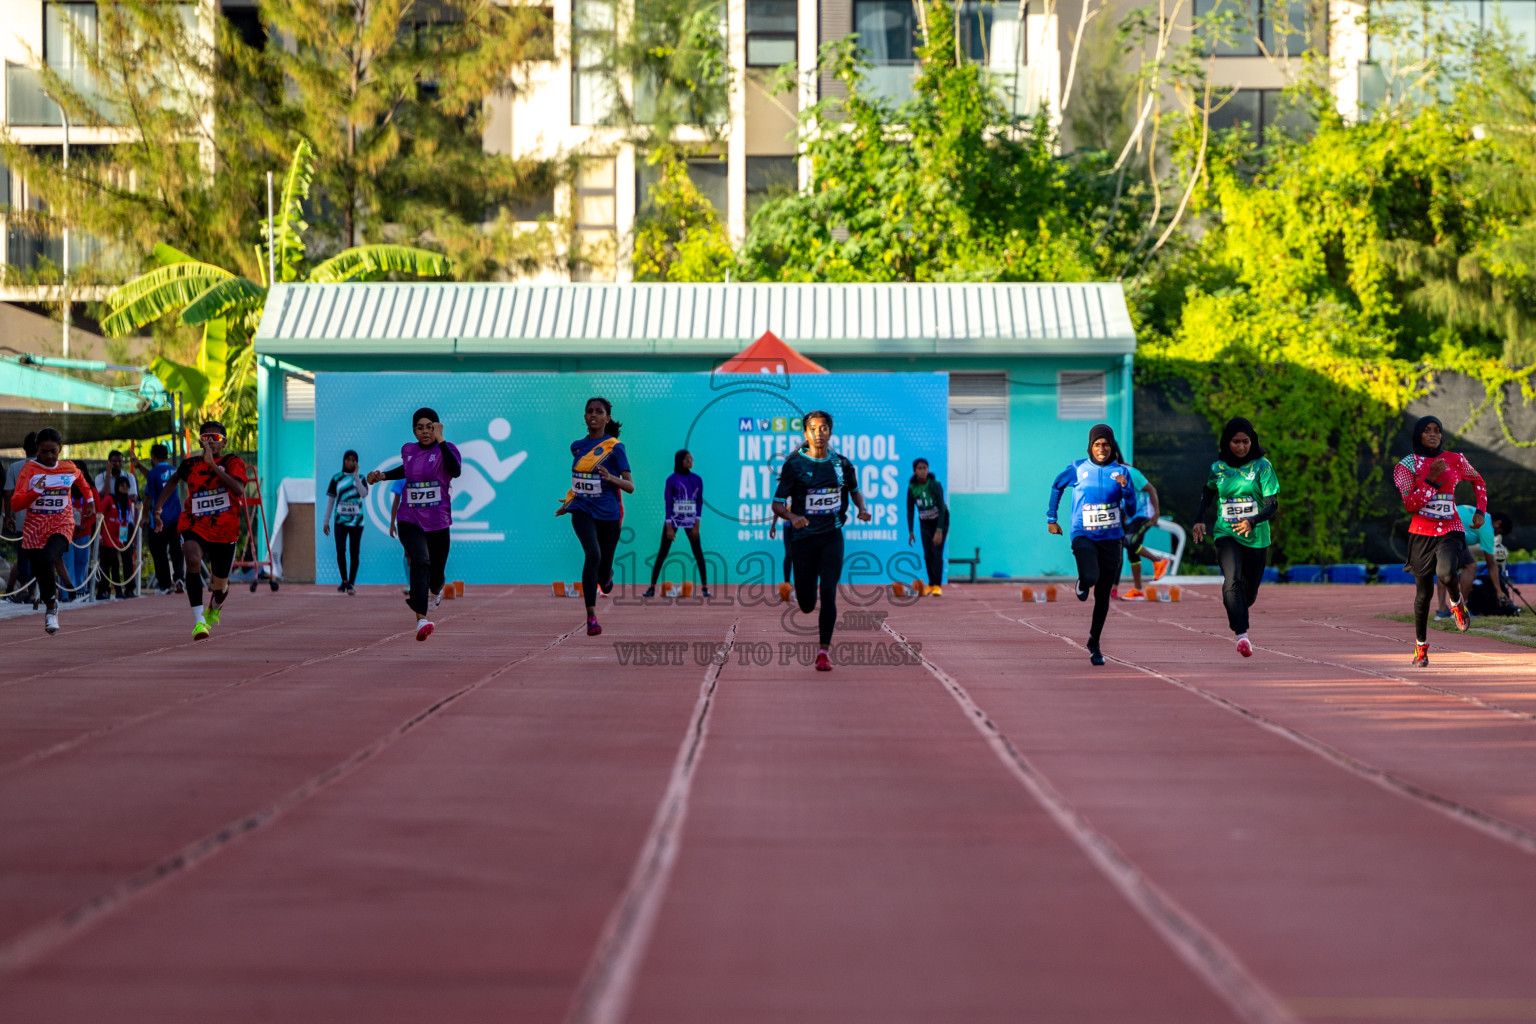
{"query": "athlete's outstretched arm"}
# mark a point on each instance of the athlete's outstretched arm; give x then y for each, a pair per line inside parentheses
(1267, 511)
(1064, 479)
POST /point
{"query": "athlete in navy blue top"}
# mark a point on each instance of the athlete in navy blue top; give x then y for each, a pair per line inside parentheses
(1103, 501)
(599, 471)
(684, 503)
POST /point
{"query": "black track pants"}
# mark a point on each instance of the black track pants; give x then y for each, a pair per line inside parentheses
(428, 552)
(818, 566)
(1242, 570)
(666, 545)
(599, 540)
(1098, 570)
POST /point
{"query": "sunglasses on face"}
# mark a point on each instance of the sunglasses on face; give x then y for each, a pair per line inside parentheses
(212, 437)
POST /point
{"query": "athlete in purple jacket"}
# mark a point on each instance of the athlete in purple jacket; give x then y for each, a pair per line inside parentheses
(684, 496)
(426, 465)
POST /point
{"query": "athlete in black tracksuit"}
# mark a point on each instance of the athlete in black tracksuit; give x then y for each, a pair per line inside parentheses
(815, 487)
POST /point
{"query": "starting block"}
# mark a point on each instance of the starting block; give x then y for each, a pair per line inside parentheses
(565, 589)
(1039, 595)
(784, 592)
(919, 587)
(670, 589)
(1155, 593)
(899, 589)
(458, 588)
(448, 592)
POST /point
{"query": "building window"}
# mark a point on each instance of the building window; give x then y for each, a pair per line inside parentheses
(1256, 28)
(596, 220)
(1081, 395)
(66, 28)
(298, 396)
(709, 175)
(535, 207)
(887, 30)
(978, 433)
(989, 34)
(769, 177)
(1261, 110)
(593, 100)
(772, 32)
(1406, 30)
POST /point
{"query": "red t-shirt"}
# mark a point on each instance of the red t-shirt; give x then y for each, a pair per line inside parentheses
(1433, 503)
(211, 511)
(47, 495)
(118, 528)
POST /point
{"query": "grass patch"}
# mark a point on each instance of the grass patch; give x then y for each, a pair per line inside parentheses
(1515, 629)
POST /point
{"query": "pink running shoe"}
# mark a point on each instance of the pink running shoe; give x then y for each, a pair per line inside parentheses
(1245, 647)
(424, 630)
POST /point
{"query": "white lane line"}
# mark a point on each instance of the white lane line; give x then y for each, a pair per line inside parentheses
(1191, 941)
(605, 989)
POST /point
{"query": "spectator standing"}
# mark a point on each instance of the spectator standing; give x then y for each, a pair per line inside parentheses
(117, 559)
(106, 480)
(14, 522)
(165, 544)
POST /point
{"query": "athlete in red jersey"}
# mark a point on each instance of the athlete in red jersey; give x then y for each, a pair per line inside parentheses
(1437, 545)
(45, 489)
(210, 522)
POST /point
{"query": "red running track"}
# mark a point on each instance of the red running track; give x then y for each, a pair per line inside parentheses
(313, 818)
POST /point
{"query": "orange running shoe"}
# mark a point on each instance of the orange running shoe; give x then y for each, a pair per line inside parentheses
(1463, 618)
(1421, 655)
(1134, 595)
(1160, 568)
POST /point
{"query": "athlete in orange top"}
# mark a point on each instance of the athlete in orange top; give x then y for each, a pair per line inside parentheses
(210, 522)
(45, 488)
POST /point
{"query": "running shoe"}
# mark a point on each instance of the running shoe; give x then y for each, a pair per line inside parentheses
(1094, 654)
(437, 598)
(703, 591)
(1134, 595)
(1463, 617)
(606, 588)
(1082, 591)
(593, 629)
(351, 590)
(649, 592)
(211, 616)
(1245, 647)
(424, 630)
(823, 663)
(51, 623)
(1421, 655)
(181, 586)
(341, 588)
(1160, 568)
(935, 591)
(200, 630)
(1442, 613)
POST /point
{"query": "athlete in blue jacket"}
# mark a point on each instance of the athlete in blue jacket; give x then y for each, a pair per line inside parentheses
(1103, 501)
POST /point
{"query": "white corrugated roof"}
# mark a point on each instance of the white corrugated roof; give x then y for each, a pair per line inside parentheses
(696, 318)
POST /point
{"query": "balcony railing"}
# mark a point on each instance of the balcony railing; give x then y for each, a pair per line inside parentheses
(28, 105)
(29, 250)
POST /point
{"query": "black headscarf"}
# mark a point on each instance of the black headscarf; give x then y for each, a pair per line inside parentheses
(1239, 425)
(1418, 434)
(1105, 431)
(427, 411)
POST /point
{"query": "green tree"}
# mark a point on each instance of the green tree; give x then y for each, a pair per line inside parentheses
(227, 306)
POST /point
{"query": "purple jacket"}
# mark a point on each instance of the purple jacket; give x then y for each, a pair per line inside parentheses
(684, 495)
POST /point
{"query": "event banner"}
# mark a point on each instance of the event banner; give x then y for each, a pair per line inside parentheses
(514, 431)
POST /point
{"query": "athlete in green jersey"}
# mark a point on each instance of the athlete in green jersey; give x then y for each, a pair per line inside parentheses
(346, 495)
(1244, 488)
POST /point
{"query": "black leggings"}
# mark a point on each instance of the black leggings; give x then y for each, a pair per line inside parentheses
(347, 536)
(933, 554)
(1098, 569)
(599, 540)
(666, 545)
(41, 562)
(1448, 572)
(428, 554)
(789, 551)
(216, 558)
(1242, 570)
(818, 566)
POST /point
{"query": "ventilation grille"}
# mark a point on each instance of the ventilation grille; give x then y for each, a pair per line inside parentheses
(978, 390)
(298, 397)
(1080, 395)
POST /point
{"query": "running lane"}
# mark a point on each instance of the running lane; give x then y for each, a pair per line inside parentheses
(461, 870)
(1348, 899)
(855, 852)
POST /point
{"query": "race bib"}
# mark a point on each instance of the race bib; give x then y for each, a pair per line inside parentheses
(122, 533)
(210, 502)
(684, 509)
(928, 513)
(1100, 517)
(588, 484)
(823, 501)
(425, 493)
(46, 503)
(1233, 509)
(1441, 506)
(349, 508)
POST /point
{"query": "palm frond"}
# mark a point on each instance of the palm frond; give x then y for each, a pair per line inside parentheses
(290, 227)
(164, 290)
(191, 382)
(165, 255)
(231, 296)
(364, 262)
